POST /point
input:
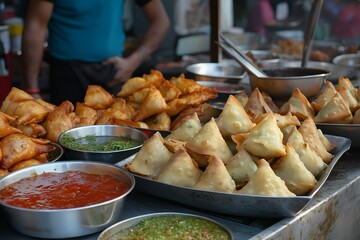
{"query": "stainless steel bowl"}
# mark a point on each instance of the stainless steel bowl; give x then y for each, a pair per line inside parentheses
(281, 82)
(348, 64)
(66, 223)
(220, 72)
(108, 233)
(103, 131)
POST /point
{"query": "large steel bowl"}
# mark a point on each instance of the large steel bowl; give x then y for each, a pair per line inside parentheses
(72, 222)
(349, 64)
(220, 72)
(281, 82)
(102, 131)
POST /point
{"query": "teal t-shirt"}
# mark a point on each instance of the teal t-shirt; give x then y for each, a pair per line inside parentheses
(86, 30)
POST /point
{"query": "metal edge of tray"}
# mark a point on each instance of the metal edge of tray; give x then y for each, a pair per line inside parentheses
(238, 204)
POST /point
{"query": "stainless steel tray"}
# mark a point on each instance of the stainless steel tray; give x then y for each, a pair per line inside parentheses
(239, 204)
(351, 131)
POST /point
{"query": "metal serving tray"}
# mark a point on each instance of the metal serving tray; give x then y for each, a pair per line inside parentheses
(350, 131)
(239, 204)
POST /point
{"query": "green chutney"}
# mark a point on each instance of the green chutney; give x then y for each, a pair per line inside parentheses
(99, 143)
(173, 227)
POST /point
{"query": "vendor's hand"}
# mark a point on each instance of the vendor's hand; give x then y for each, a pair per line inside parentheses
(124, 70)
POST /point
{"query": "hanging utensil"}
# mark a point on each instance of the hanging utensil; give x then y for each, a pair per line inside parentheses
(309, 33)
(240, 57)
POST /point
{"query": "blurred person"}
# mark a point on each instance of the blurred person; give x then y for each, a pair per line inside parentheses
(260, 14)
(347, 24)
(86, 43)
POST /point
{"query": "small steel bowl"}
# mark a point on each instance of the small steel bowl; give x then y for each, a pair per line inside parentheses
(348, 65)
(281, 82)
(72, 222)
(220, 72)
(102, 131)
(108, 233)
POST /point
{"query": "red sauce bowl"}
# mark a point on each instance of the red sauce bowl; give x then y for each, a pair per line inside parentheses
(67, 222)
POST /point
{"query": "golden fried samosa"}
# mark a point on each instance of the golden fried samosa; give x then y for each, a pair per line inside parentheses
(233, 119)
(130, 123)
(356, 118)
(270, 102)
(30, 111)
(352, 102)
(298, 105)
(132, 85)
(328, 145)
(5, 125)
(281, 120)
(34, 130)
(154, 103)
(242, 97)
(292, 170)
(181, 170)
(199, 97)
(345, 82)
(118, 110)
(24, 163)
(155, 77)
(209, 141)
(265, 139)
(326, 94)
(169, 91)
(174, 145)
(256, 104)
(97, 97)
(241, 166)
(160, 121)
(311, 160)
(13, 98)
(139, 96)
(264, 182)
(17, 147)
(187, 130)
(216, 177)
(151, 158)
(176, 106)
(310, 135)
(87, 115)
(335, 111)
(3, 172)
(61, 119)
(185, 85)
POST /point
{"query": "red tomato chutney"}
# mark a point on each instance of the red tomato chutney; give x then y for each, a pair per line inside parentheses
(70, 189)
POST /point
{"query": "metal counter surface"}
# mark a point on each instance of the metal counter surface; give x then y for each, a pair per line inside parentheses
(332, 214)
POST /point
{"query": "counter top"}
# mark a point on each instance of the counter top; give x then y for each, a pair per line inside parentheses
(331, 214)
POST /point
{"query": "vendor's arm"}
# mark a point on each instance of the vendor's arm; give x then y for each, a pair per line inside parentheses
(159, 24)
(34, 35)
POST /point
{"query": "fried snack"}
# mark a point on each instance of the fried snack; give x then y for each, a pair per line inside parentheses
(181, 170)
(151, 158)
(97, 97)
(155, 77)
(130, 123)
(12, 100)
(274, 186)
(160, 121)
(30, 111)
(5, 125)
(233, 119)
(154, 103)
(209, 141)
(34, 130)
(132, 85)
(298, 105)
(241, 166)
(87, 115)
(139, 96)
(335, 111)
(199, 97)
(187, 129)
(356, 118)
(256, 104)
(174, 145)
(242, 97)
(311, 160)
(265, 139)
(216, 177)
(17, 147)
(281, 120)
(270, 102)
(310, 135)
(293, 171)
(61, 119)
(169, 91)
(346, 83)
(328, 145)
(118, 110)
(352, 102)
(24, 164)
(324, 97)
(3, 172)
(176, 106)
(185, 85)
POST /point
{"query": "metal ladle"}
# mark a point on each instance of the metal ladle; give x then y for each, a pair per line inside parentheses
(309, 34)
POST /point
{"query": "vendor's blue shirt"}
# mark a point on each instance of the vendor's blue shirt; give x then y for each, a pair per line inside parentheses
(86, 30)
